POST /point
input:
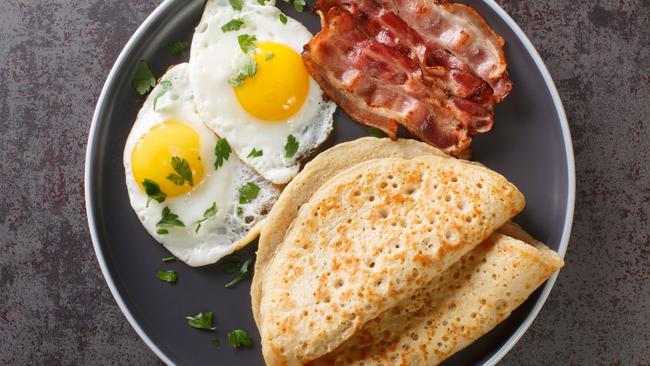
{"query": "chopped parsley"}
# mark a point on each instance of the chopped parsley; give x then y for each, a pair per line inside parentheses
(222, 150)
(248, 192)
(245, 66)
(238, 338)
(232, 25)
(240, 212)
(291, 147)
(261, 2)
(152, 189)
(167, 276)
(231, 263)
(183, 172)
(376, 132)
(283, 18)
(269, 55)
(143, 80)
(209, 213)
(171, 258)
(299, 5)
(177, 47)
(247, 42)
(202, 321)
(237, 4)
(255, 153)
(242, 273)
(166, 86)
(168, 220)
(216, 342)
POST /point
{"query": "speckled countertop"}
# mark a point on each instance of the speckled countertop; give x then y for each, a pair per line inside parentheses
(55, 307)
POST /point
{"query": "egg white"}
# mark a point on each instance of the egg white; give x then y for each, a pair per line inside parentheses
(212, 61)
(227, 231)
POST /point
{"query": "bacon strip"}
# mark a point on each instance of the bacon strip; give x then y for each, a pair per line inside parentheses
(386, 62)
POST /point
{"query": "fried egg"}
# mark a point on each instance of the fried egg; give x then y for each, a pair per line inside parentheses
(190, 195)
(274, 117)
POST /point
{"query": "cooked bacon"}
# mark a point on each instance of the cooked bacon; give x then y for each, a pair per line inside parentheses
(373, 58)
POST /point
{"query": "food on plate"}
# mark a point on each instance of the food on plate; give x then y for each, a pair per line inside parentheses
(190, 193)
(433, 67)
(462, 304)
(251, 87)
(521, 269)
(368, 238)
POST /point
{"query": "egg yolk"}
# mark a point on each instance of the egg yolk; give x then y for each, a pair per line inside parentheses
(152, 156)
(279, 87)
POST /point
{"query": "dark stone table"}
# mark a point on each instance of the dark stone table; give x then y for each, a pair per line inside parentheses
(55, 307)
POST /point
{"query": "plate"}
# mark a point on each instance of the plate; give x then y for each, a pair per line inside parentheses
(530, 144)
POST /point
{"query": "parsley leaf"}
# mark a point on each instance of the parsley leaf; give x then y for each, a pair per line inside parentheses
(248, 192)
(216, 342)
(240, 212)
(167, 276)
(238, 338)
(299, 5)
(152, 189)
(182, 167)
(167, 221)
(231, 263)
(242, 274)
(261, 2)
(255, 153)
(209, 213)
(177, 47)
(283, 18)
(291, 147)
(232, 25)
(376, 132)
(245, 66)
(166, 86)
(237, 4)
(269, 55)
(222, 150)
(143, 80)
(246, 42)
(171, 258)
(202, 321)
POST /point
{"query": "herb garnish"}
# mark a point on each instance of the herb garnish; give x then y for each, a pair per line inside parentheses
(167, 276)
(177, 47)
(169, 259)
(152, 189)
(261, 2)
(246, 42)
(216, 342)
(237, 4)
(209, 213)
(202, 321)
(182, 167)
(143, 80)
(269, 55)
(222, 150)
(232, 25)
(238, 338)
(255, 153)
(376, 132)
(231, 263)
(291, 147)
(242, 274)
(240, 212)
(168, 220)
(283, 18)
(245, 67)
(166, 86)
(299, 5)
(248, 192)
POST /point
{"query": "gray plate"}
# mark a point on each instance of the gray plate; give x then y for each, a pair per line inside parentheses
(530, 144)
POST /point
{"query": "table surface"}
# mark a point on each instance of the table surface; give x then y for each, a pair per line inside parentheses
(55, 307)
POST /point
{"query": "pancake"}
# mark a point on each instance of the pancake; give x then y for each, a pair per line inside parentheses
(315, 173)
(469, 299)
(369, 238)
